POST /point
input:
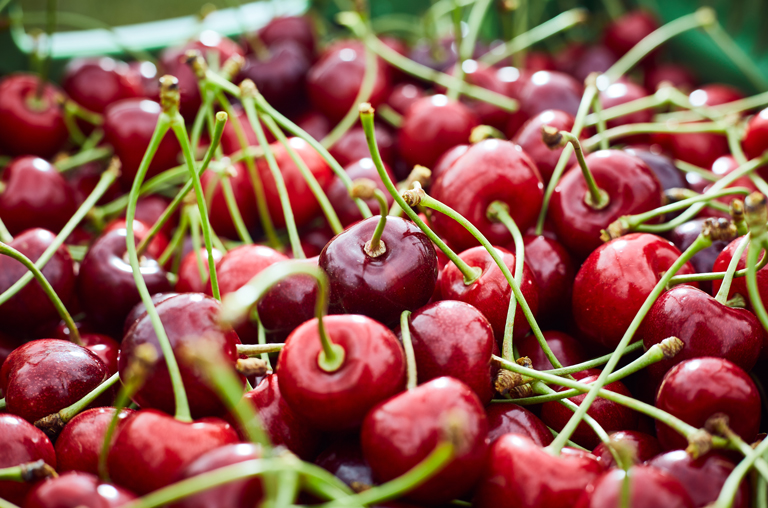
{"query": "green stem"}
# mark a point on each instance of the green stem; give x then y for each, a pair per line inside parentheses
(5, 235)
(466, 45)
(656, 100)
(262, 338)
(725, 288)
(596, 362)
(737, 55)
(687, 167)
(251, 350)
(601, 127)
(201, 115)
(7, 504)
(194, 233)
(410, 356)
(520, 27)
(77, 160)
(596, 198)
(733, 482)
(651, 128)
(698, 277)
(755, 247)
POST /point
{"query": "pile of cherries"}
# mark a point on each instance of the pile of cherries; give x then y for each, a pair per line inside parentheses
(365, 272)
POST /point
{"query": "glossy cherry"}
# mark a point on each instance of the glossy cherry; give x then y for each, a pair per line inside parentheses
(344, 459)
(104, 347)
(79, 444)
(662, 166)
(554, 271)
(353, 146)
(545, 90)
(511, 418)
(83, 180)
(338, 195)
(75, 489)
(315, 124)
(624, 33)
(479, 74)
(288, 304)
(447, 159)
(155, 248)
(529, 138)
(139, 310)
(619, 93)
(755, 140)
(189, 280)
(291, 28)
(281, 75)
(22, 443)
(568, 350)
(403, 95)
(595, 58)
(230, 142)
(95, 83)
(648, 487)
(641, 447)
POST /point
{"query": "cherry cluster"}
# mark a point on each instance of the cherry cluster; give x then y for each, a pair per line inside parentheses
(363, 272)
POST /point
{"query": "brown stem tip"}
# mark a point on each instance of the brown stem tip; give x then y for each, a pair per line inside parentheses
(195, 60)
(671, 346)
(32, 472)
(252, 367)
(699, 443)
(413, 197)
(719, 229)
(552, 137)
(615, 229)
(363, 188)
(51, 425)
(366, 108)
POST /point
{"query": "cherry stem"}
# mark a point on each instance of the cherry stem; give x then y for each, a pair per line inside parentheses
(234, 211)
(725, 288)
(736, 55)
(650, 128)
(660, 98)
(597, 106)
(84, 157)
(596, 198)
(596, 362)
(733, 482)
(5, 235)
(194, 232)
(390, 116)
(365, 188)
(499, 211)
(687, 167)
(259, 349)
(158, 183)
(200, 117)
(520, 27)
(29, 472)
(458, 36)
(61, 309)
(698, 277)
(2, 404)
(410, 356)
(471, 274)
(466, 45)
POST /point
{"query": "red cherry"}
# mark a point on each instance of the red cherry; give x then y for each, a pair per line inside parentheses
(230, 142)
(315, 124)
(288, 304)
(245, 199)
(290, 28)
(622, 92)
(648, 487)
(22, 443)
(139, 310)
(338, 195)
(95, 83)
(545, 90)
(642, 447)
(26, 126)
(147, 72)
(675, 74)
(140, 229)
(75, 489)
(344, 459)
(596, 58)
(83, 180)
(150, 208)
(481, 75)
(755, 140)
(402, 431)
(150, 448)
(447, 159)
(554, 272)
(520, 473)
(280, 77)
(662, 166)
(403, 95)
(529, 138)
(626, 32)
(438, 55)
(615, 280)
(79, 444)
(723, 166)
(104, 347)
(511, 418)
(189, 280)
(567, 350)
(703, 261)
(353, 145)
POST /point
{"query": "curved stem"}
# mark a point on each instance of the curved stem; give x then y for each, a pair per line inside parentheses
(596, 198)
(259, 349)
(466, 45)
(756, 246)
(77, 160)
(632, 129)
(177, 240)
(601, 127)
(725, 288)
(659, 98)
(5, 235)
(687, 167)
(737, 55)
(410, 356)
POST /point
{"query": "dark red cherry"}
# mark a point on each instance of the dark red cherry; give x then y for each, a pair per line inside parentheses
(491, 292)
(139, 309)
(338, 195)
(641, 447)
(353, 146)
(245, 199)
(567, 350)
(529, 138)
(373, 370)
(545, 90)
(438, 55)
(702, 478)
(280, 77)
(155, 248)
(147, 72)
(106, 271)
(22, 443)
(447, 159)
(624, 33)
(128, 127)
(344, 459)
(662, 166)
(79, 444)
(95, 83)
(150, 448)
(104, 347)
(479, 74)
(230, 142)
(288, 304)
(402, 431)
(76, 489)
(519, 469)
(648, 487)
(34, 194)
(431, 126)
(630, 185)
(739, 284)
(403, 95)
(620, 93)
(44, 376)
(554, 272)
(7, 345)
(189, 279)
(290, 28)
(30, 126)
(698, 388)
(83, 179)
(615, 280)
(150, 208)
(684, 235)
(511, 418)
(491, 170)
(673, 73)
(755, 140)
(596, 58)
(237, 494)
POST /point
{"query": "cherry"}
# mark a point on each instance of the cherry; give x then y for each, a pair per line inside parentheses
(105, 271)
(83, 180)
(150, 208)
(34, 194)
(479, 74)
(147, 72)
(30, 125)
(139, 310)
(104, 347)
(150, 448)
(491, 170)
(189, 280)
(155, 248)
(75, 489)
(511, 418)
(596, 58)
(696, 389)
(79, 444)
(648, 487)
(403, 95)
(431, 126)
(440, 55)
(739, 284)
(622, 92)
(237, 494)
(723, 166)
(518, 470)
(615, 280)
(631, 188)
(128, 127)
(187, 318)
(315, 124)
(380, 285)
(290, 28)
(491, 292)
(529, 138)
(338, 195)
(95, 83)
(662, 166)
(626, 32)
(314, 238)
(288, 304)
(447, 159)
(353, 146)
(755, 140)
(545, 90)
(568, 350)
(554, 272)
(344, 459)
(242, 189)
(22, 443)
(675, 74)
(641, 447)
(7, 345)
(702, 478)
(44, 376)
(402, 431)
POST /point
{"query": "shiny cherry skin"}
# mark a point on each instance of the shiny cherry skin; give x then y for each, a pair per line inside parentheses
(545, 90)
(677, 75)
(696, 389)
(150, 208)
(26, 126)
(554, 272)
(31, 306)
(431, 126)
(245, 199)
(34, 194)
(187, 318)
(624, 33)
(706, 327)
(281, 77)
(189, 280)
(662, 166)
(238, 494)
(353, 146)
(452, 338)
(521, 474)
(44, 376)
(83, 179)
(140, 229)
(403, 95)
(338, 195)
(139, 310)
(491, 170)
(511, 418)
(230, 142)
(622, 92)
(344, 459)
(491, 292)
(631, 187)
(95, 83)
(79, 444)
(648, 488)
(372, 371)
(568, 350)
(288, 304)
(529, 138)
(382, 287)
(447, 159)
(241, 264)
(739, 284)
(615, 280)
(702, 478)
(150, 448)
(75, 489)
(290, 28)
(334, 80)
(755, 140)
(104, 347)
(128, 127)
(106, 271)
(402, 431)
(642, 447)
(22, 443)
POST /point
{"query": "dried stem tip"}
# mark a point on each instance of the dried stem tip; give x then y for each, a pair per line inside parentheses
(252, 367)
(615, 229)
(32, 472)
(169, 93)
(671, 346)
(248, 89)
(756, 212)
(363, 188)
(552, 137)
(366, 108)
(51, 425)
(195, 60)
(718, 424)
(699, 443)
(719, 229)
(413, 197)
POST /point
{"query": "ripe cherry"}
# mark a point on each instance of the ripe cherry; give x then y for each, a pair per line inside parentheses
(755, 140)
(624, 33)
(662, 166)
(22, 443)
(566, 349)
(344, 459)
(79, 444)
(675, 74)
(545, 90)
(353, 146)
(554, 272)
(245, 200)
(139, 310)
(403, 95)
(338, 194)
(511, 418)
(647, 486)
(739, 284)
(155, 248)
(95, 83)
(230, 142)
(595, 58)
(638, 446)
(479, 74)
(290, 28)
(75, 489)
(529, 138)
(622, 92)
(288, 304)
(189, 280)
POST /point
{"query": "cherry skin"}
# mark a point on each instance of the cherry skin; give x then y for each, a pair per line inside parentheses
(491, 170)
(675, 74)
(315, 124)
(447, 159)
(230, 142)
(79, 444)
(402, 431)
(698, 388)
(631, 187)
(567, 350)
(95, 83)
(755, 140)
(22, 443)
(353, 146)
(245, 200)
(648, 487)
(44, 376)
(83, 180)
(545, 90)
(288, 304)
(373, 370)
(620, 93)
(662, 166)
(381, 287)
(75, 489)
(290, 28)
(431, 126)
(140, 229)
(520, 473)
(721, 167)
(344, 459)
(491, 292)
(615, 280)
(338, 195)
(150, 448)
(626, 32)
(739, 284)
(403, 95)
(596, 58)
(511, 418)
(139, 310)
(529, 138)
(104, 347)
(189, 280)
(554, 272)
(642, 447)
(29, 127)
